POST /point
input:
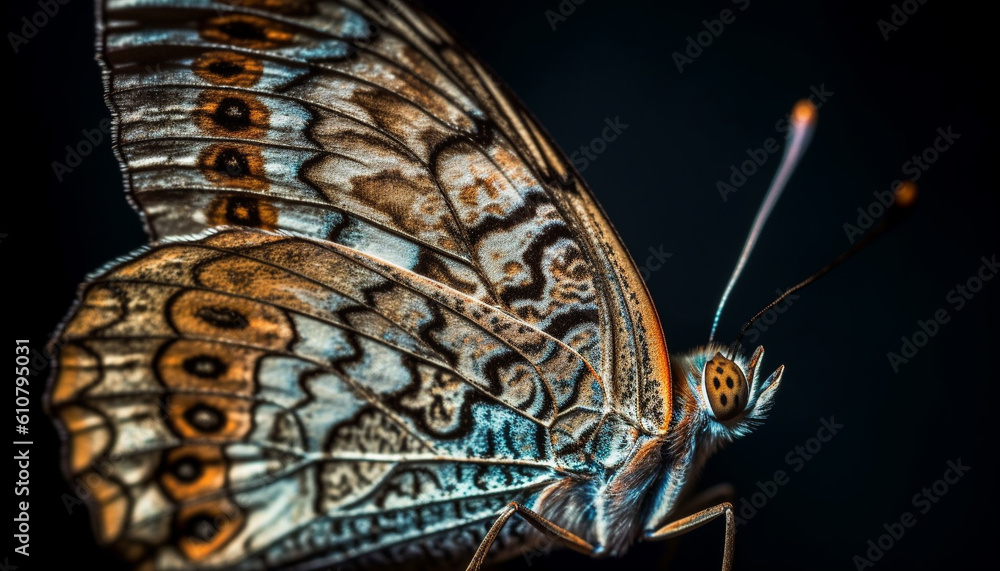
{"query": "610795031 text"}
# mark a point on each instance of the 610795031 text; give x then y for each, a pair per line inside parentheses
(22, 357)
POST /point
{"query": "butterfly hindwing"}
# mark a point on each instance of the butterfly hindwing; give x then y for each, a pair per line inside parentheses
(284, 385)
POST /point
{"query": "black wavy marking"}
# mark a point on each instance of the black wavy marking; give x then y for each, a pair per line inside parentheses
(343, 223)
(498, 434)
(511, 220)
(437, 323)
(492, 370)
(582, 376)
(394, 483)
(583, 442)
(79, 401)
(480, 138)
(535, 288)
(417, 415)
(531, 348)
(429, 263)
(370, 306)
(566, 321)
(357, 352)
(302, 382)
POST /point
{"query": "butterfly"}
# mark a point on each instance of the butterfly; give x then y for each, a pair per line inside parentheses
(381, 321)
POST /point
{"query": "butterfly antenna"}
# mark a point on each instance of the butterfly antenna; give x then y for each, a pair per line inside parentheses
(902, 206)
(803, 123)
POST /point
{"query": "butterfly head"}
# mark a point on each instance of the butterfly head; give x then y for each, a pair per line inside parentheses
(729, 394)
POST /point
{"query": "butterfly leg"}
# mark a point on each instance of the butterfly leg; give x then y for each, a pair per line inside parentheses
(550, 529)
(706, 498)
(698, 519)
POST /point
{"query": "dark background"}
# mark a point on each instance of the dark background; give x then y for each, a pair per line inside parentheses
(658, 185)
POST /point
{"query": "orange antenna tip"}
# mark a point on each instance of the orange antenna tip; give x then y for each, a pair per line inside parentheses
(804, 112)
(906, 193)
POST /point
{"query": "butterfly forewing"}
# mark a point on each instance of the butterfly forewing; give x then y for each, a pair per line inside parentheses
(418, 312)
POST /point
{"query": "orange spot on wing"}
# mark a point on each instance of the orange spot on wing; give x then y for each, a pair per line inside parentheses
(206, 527)
(209, 314)
(234, 165)
(193, 472)
(250, 211)
(78, 371)
(214, 418)
(511, 269)
(231, 114)
(228, 68)
(192, 365)
(246, 31)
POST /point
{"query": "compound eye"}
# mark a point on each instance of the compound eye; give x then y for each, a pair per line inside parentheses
(726, 387)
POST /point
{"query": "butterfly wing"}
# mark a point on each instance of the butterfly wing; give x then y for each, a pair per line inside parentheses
(366, 124)
(259, 398)
(451, 326)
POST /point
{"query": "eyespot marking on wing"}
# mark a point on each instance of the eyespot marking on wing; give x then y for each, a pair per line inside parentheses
(192, 471)
(204, 528)
(242, 210)
(234, 165)
(231, 114)
(228, 68)
(246, 31)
